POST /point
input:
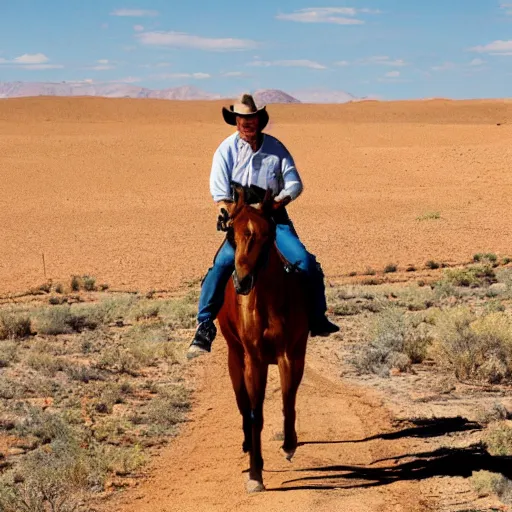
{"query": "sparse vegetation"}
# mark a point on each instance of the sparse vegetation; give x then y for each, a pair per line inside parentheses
(391, 267)
(433, 265)
(77, 424)
(485, 257)
(473, 276)
(429, 216)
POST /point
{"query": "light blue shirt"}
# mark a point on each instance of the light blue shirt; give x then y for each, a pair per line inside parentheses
(271, 167)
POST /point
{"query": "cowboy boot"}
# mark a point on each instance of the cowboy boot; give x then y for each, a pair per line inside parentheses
(203, 339)
(320, 325)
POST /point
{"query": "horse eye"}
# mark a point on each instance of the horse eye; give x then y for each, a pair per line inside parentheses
(247, 233)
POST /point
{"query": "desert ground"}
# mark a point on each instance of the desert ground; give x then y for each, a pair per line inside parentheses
(118, 188)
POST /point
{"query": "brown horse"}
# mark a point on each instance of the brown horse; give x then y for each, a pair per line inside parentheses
(264, 320)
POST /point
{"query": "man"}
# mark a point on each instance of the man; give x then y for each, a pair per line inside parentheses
(250, 157)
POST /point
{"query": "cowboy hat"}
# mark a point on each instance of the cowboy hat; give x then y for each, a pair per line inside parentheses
(245, 107)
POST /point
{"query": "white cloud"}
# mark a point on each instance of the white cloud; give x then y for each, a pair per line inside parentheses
(138, 28)
(342, 63)
(34, 58)
(301, 63)
(495, 48)
(41, 66)
(392, 74)
(183, 40)
(135, 13)
(102, 61)
(234, 74)
(477, 62)
(336, 15)
(104, 26)
(34, 61)
(86, 81)
(383, 60)
(156, 65)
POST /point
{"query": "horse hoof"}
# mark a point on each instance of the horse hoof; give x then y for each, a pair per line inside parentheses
(288, 455)
(254, 486)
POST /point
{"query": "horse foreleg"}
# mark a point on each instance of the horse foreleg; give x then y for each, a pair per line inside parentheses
(255, 376)
(291, 373)
(236, 372)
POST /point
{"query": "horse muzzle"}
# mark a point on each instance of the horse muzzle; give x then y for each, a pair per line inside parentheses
(245, 285)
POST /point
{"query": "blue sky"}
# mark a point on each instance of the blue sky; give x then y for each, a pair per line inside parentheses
(393, 49)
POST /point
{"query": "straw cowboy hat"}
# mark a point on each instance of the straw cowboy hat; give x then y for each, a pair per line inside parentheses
(245, 107)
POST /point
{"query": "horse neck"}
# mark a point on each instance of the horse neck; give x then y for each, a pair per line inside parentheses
(269, 280)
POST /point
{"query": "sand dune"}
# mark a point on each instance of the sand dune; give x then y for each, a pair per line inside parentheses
(119, 188)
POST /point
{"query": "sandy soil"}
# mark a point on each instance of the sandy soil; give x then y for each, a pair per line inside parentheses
(119, 188)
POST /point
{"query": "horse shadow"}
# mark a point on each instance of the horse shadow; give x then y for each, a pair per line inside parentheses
(444, 461)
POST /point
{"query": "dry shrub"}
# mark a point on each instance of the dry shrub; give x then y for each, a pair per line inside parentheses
(473, 276)
(113, 308)
(180, 313)
(169, 408)
(498, 438)
(46, 363)
(8, 353)
(14, 325)
(53, 479)
(395, 342)
(123, 461)
(475, 347)
(118, 360)
(62, 320)
(486, 483)
(145, 310)
(416, 298)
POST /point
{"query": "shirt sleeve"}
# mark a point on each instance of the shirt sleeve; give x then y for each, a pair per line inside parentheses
(220, 182)
(292, 181)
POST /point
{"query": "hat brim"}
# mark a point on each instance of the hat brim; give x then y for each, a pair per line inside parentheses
(230, 116)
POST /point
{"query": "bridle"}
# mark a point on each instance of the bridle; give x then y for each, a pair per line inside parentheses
(245, 286)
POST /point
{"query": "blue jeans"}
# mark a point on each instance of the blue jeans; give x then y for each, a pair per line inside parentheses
(217, 277)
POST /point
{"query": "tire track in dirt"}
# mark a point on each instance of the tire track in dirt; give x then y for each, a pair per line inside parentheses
(204, 468)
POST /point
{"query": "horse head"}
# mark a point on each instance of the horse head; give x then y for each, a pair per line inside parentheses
(252, 233)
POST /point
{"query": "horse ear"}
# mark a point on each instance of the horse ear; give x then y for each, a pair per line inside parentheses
(239, 194)
(239, 197)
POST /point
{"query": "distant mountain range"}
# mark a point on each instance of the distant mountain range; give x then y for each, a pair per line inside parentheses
(187, 92)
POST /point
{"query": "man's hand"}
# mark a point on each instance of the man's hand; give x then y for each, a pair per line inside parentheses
(281, 203)
(223, 220)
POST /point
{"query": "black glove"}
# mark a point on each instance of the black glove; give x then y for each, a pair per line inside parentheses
(223, 220)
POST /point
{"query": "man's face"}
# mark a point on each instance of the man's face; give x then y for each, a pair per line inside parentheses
(248, 126)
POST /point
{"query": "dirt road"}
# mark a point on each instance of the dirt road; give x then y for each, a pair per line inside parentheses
(203, 469)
